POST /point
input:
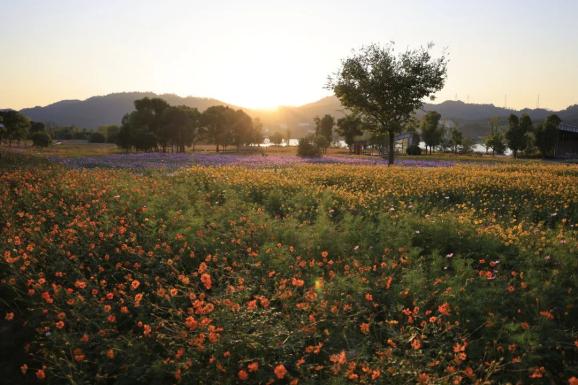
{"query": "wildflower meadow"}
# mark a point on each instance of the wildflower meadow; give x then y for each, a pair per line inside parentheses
(301, 274)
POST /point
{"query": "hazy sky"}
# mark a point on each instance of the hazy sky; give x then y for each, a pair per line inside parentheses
(266, 53)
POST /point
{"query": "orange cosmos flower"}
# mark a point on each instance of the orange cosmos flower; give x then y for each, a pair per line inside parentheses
(40, 374)
(416, 344)
(280, 371)
(364, 327)
(253, 366)
(297, 282)
(60, 324)
(134, 284)
(206, 280)
(444, 309)
(9, 316)
(191, 323)
(573, 381)
(243, 375)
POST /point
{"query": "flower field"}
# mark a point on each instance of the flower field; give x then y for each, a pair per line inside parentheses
(306, 274)
(156, 160)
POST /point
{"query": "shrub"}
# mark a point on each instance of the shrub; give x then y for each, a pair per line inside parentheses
(96, 137)
(41, 139)
(307, 147)
(414, 149)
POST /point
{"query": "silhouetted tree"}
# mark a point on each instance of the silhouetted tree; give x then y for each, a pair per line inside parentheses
(516, 136)
(276, 138)
(386, 88)
(217, 121)
(324, 127)
(430, 131)
(547, 136)
(349, 127)
(495, 140)
(180, 126)
(16, 125)
(242, 129)
(456, 139)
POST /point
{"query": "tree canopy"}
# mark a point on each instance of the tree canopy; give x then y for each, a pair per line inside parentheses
(386, 87)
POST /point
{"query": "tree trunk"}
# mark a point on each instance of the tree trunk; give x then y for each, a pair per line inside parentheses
(391, 145)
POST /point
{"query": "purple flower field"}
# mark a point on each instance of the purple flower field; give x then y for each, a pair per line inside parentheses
(173, 161)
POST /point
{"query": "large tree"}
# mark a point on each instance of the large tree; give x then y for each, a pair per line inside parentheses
(547, 136)
(243, 129)
(181, 126)
(430, 130)
(516, 136)
(218, 122)
(16, 125)
(387, 88)
(324, 127)
(349, 127)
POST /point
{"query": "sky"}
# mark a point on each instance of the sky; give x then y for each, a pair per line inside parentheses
(266, 53)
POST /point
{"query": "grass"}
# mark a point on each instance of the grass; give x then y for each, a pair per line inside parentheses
(308, 274)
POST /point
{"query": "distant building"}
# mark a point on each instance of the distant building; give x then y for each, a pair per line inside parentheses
(567, 143)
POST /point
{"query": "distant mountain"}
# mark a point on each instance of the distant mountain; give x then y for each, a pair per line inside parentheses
(102, 110)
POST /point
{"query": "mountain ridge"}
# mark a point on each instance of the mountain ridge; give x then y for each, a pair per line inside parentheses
(108, 109)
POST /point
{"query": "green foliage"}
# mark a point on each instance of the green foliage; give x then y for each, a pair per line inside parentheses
(386, 88)
(349, 127)
(495, 140)
(308, 147)
(16, 126)
(96, 137)
(547, 136)
(41, 139)
(517, 134)
(431, 133)
(332, 271)
(324, 127)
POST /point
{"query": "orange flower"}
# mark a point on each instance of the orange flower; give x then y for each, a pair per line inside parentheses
(9, 316)
(297, 282)
(191, 322)
(338, 359)
(280, 371)
(40, 374)
(243, 375)
(423, 378)
(547, 314)
(573, 381)
(60, 324)
(444, 309)
(110, 354)
(253, 366)
(416, 344)
(206, 280)
(364, 327)
(134, 284)
(78, 355)
(146, 329)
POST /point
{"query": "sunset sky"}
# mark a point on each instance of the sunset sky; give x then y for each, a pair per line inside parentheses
(267, 53)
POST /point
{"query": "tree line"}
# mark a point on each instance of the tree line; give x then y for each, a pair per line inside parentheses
(156, 125)
(15, 127)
